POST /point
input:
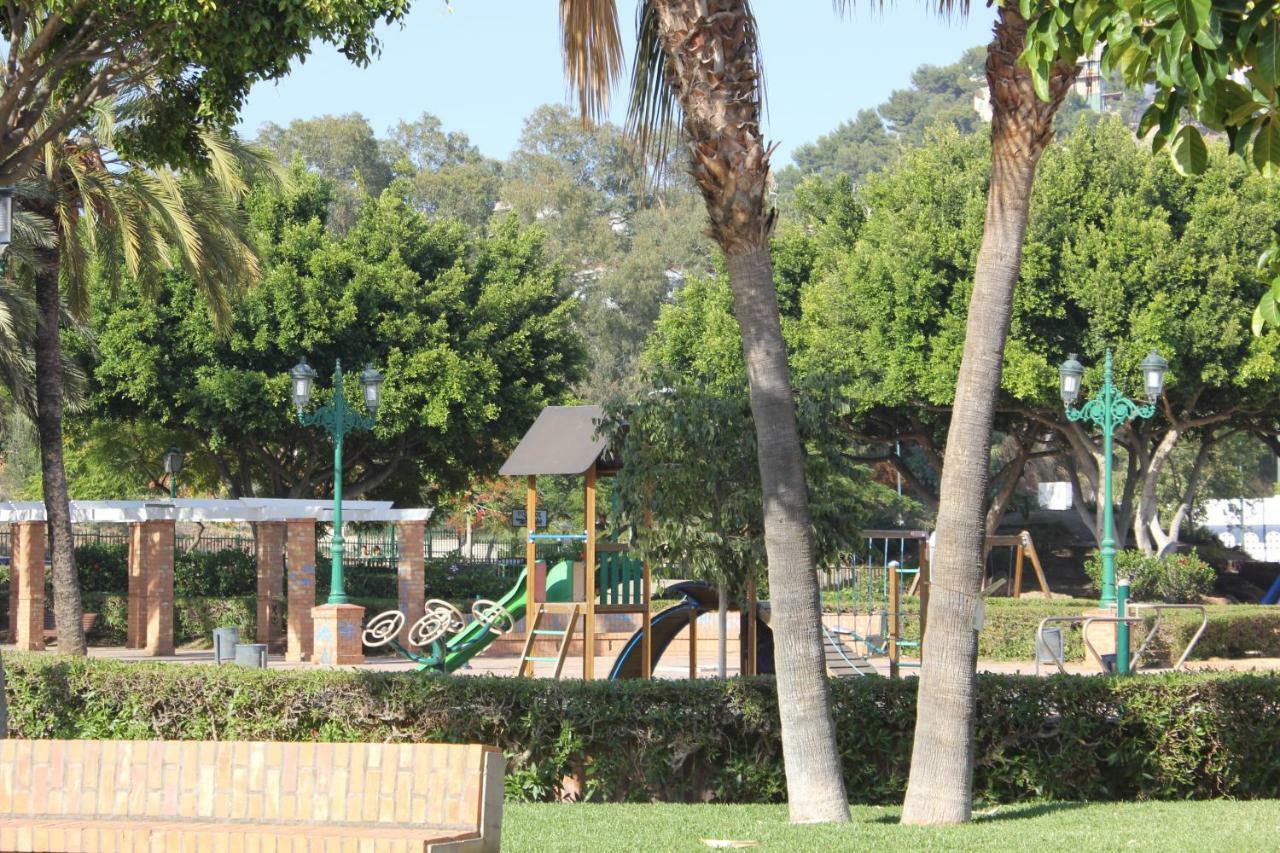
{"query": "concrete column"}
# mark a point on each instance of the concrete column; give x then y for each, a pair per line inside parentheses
(157, 570)
(300, 571)
(337, 634)
(27, 541)
(136, 635)
(411, 573)
(13, 585)
(270, 539)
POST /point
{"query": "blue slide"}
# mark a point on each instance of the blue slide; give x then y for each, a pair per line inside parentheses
(1273, 594)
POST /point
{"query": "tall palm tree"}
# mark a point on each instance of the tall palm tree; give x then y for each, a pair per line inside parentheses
(131, 221)
(939, 790)
(700, 59)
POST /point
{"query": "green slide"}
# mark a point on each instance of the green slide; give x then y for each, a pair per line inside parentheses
(476, 637)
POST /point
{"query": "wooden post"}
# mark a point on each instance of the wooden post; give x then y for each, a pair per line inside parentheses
(1017, 573)
(589, 559)
(752, 663)
(530, 564)
(895, 623)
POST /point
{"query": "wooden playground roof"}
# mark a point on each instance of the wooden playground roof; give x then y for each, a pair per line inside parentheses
(562, 440)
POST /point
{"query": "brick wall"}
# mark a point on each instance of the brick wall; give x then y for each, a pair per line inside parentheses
(270, 547)
(411, 578)
(26, 597)
(300, 573)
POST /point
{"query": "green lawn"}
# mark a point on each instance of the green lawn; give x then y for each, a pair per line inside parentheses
(1074, 827)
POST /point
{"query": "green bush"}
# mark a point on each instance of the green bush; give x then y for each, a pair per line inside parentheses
(214, 574)
(1174, 578)
(193, 618)
(102, 567)
(1065, 738)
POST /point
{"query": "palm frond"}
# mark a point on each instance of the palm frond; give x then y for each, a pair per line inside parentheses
(943, 8)
(652, 108)
(592, 52)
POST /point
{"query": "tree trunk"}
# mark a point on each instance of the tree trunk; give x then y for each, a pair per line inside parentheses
(711, 66)
(67, 610)
(939, 790)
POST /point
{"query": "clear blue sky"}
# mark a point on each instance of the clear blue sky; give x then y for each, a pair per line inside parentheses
(483, 65)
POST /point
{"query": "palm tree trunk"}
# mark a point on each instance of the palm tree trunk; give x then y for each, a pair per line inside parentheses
(67, 610)
(712, 68)
(815, 780)
(939, 790)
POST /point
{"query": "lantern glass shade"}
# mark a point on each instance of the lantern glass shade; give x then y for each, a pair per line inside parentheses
(6, 217)
(371, 388)
(1153, 370)
(303, 377)
(173, 460)
(1070, 373)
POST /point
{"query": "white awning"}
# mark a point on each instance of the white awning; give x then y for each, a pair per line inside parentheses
(245, 509)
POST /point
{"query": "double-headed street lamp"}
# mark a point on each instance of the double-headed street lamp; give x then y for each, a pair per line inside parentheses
(336, 417)
(1109, 409)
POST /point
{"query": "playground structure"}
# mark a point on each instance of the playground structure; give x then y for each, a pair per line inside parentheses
(870, 586)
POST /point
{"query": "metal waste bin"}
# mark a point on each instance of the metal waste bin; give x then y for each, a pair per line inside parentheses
(251, 655)
(224, 644)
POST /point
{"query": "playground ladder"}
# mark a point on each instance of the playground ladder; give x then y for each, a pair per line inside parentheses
(528, 660)
(842, 661)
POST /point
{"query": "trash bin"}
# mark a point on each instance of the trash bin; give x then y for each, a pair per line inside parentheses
(224, 644)
(1108, 663)
(251, 655)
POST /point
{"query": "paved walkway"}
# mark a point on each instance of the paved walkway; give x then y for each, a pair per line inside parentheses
(506, 665)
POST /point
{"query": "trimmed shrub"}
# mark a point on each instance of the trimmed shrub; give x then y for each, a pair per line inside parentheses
(102, 567)
(214, 574)
(1174, 578)
(1065, 738)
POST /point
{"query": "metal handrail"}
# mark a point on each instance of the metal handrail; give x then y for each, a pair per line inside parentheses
(1159, 609)
(1105, 620)
(1084, 622)
(1065, 620)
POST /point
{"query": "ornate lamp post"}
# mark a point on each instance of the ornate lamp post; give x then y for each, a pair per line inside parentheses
(338, 420)
(1110, 409)
(172, 465)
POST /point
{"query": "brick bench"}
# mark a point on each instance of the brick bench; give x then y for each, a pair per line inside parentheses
(85, 795)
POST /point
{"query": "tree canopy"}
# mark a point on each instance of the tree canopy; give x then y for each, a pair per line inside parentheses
(474, 335)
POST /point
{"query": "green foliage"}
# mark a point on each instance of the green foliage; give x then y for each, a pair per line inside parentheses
(1058, 738)
(193, 618)
(103, 568)
(214, 574)
(473, 334)
(1173, 578)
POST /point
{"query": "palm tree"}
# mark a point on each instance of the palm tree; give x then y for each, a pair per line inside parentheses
(939, 790)
(700, 59)
(131, 221)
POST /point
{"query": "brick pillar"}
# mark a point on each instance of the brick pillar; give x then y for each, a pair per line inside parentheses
(157, 572)
(411, 573)
(136, 636)
(27, 541)
(337, 634)
(270, 537)
(300, 571)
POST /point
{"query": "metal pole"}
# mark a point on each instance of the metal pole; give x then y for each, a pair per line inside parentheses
(337, 588)
(1122, 628)
(1108, 521)
(173, 485)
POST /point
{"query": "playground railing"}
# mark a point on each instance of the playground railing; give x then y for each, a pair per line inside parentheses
(1160, 610)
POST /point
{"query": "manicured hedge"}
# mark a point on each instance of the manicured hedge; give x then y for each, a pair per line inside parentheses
(1065, 738)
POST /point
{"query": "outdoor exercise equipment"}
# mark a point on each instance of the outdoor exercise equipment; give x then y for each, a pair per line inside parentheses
(443, 630)
(870, 585)
(1049, 644)
(565, 441)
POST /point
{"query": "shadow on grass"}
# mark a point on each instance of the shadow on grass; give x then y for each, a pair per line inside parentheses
(1017, 811)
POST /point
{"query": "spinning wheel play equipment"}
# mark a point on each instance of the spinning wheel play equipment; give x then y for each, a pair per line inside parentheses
(444, 631)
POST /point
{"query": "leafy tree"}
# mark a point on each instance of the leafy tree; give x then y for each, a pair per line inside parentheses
(340, 148)
(700, 61)
(474, 335)
(1118, 246)
(451, 178)
(197, 60)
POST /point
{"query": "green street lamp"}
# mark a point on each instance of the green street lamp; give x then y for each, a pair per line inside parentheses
(338, 419)
(1110, 409)
(172, 465)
